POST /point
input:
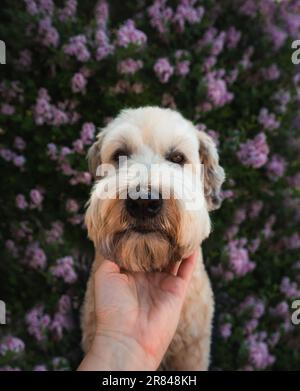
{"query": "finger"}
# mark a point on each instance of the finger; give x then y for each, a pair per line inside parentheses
(108, 266)
(173, 268)
(186, 267)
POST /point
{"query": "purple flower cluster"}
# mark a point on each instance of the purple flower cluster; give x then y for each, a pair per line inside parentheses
(11, 344)
(47, 34)
(77, 47)
(217, 92)
(64, 269)
(37, 322)
(129, 34)
(35, 256)
(129, 66)
(254, 153)
(47, 113)
(239, 261)
(268, 120)
(163, 69)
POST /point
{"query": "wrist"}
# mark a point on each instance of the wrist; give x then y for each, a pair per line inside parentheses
(114, 352)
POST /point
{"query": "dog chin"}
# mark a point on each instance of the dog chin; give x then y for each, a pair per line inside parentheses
(142, 250)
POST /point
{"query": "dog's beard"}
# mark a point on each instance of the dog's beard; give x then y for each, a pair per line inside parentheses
(150, 245)
(141, 250)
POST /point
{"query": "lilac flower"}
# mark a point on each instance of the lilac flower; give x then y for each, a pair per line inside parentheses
(87, 133)
(163, 69)
(31, 7)
(78, 83)
(19, 161)
(255, 208)
(233, 37)
(46, 6)
(48, 35)
(254, 153)
(226, 330)
(254, 245)
(7, 109)
(239, 260)
(281, 310)
(271, 73)
(37, 322)
(101, 12)
(19, 143)
(248, 8)
(36, 198)
(35, 256)
(183, 67)
(78, 146)
(69, 10)
(55, 233)
(218, 44)
(12, 248)
(104, 48)
(259, 354)
(64, 269)
(11, 344)
(186, 12)
(62, 319)
(276, 167)
(283, 98)
(276, 35)
(160, 15)
(267, 230)
(267, 119)
(7, 154)
(292, 242)
(250, 326)
(21, 202)
(289, 288)
(52, 151)
(25, 60)
(77, 47)
(217, 90)
(129, 34)
(129, 66)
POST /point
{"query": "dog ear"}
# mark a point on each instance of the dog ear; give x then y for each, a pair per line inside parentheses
(93, 155)
(214, 174)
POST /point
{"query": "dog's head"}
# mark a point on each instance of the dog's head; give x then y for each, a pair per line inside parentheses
(157, 177)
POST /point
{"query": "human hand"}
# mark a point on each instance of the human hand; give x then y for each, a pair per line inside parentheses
(137, 315)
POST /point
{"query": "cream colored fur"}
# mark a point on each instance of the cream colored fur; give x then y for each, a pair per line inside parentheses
(147, 134)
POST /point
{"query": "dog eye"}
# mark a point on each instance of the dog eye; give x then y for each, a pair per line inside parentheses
(176, 157)
(118, 154)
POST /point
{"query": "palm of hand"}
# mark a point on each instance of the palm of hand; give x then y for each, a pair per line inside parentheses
(140, 305)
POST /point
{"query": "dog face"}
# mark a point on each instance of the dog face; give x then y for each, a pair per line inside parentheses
(146, 221)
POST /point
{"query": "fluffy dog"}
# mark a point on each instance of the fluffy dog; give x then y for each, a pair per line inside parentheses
(149, 232)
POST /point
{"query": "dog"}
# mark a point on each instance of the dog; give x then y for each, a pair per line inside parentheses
(149, 232)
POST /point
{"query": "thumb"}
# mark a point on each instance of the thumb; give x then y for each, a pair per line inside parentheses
(107, 267)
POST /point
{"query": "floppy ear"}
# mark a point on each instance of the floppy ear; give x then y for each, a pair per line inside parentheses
(93, 155)
(214, 174)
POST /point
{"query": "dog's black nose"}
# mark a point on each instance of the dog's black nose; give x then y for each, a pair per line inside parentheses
(145, 206)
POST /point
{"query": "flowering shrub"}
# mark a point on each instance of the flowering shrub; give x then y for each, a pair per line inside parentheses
(71, 66)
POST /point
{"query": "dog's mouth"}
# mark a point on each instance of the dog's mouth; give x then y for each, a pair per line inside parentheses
(143, 230)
